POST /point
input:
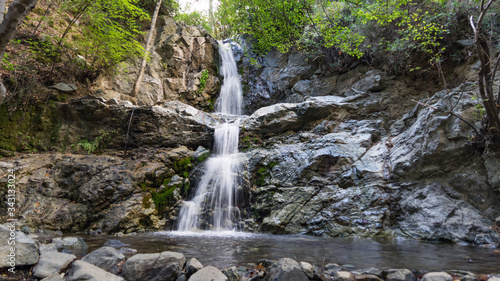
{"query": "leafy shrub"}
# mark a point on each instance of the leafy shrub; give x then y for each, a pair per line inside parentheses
(98, 143)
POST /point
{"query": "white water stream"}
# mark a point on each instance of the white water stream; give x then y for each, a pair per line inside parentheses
(214, 205)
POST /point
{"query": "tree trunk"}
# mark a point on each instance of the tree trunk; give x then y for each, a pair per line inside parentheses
(18, 10)
(486, 73)
(138, 82)
(2, 10)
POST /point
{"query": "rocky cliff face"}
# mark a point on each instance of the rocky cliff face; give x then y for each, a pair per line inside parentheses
(183, 66)
(340, 154)
(328, 154)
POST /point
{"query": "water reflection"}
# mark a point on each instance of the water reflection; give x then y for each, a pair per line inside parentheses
(225, 249)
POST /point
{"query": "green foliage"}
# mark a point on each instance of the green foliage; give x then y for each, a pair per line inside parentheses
(45, 51)
(193, 18)
(340, 30)
(110, 30)
(168, 7)
(479, 110)
(6, 65)
(203, 80)
(98, 143)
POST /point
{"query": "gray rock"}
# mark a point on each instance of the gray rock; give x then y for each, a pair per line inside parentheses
(307, 268)
(127, 251)
(367, 277)
(287, 269)
(82, 271)
(52, 262)
(399, 275)
(106, 258)
(152, 267)
(333, 267)
(192, 265)
(231, 273)
(181, 277)
(43, 248)
(431, 205)
(114, 243)
(54, 277)
(494, 278)
(65, 88)
(208, 273)
(76, 244)
(344, 276)
(26, 249)
(370, 83)
(437, 276)
(283, 117)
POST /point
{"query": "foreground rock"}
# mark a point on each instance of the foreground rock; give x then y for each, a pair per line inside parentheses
(208, 273)
(153, 267)
(26, 249)
(82, 271)
(172, 266)
(52, 262)
(106, 258)
(287, 269)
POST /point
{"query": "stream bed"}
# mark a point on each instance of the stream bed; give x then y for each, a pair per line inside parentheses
(226, 249)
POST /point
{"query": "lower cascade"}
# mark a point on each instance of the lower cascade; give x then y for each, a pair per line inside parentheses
(214, 206)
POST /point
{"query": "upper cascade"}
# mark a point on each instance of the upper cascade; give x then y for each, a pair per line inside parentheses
(231, 95)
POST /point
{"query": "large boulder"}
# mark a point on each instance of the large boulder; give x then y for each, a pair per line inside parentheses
(208, 273)
(70, 243)
(286, 269)
(399, 275)
(25, 249)
(82, 271)
(154, 267)
(52, 262)
(106, 258)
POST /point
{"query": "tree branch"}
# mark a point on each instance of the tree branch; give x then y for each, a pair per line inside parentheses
(451, 113)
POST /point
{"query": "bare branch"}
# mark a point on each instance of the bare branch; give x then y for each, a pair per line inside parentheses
(451, 113)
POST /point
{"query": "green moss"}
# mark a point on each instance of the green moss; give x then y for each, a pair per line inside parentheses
(203, 80)
(211, 104)
(202, 157)
(34, 128)
(163, 199)
(183, 167)
(166, 181)
(263, 172)
(143, 186)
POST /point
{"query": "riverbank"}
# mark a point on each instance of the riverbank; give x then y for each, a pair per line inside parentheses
(243, 256)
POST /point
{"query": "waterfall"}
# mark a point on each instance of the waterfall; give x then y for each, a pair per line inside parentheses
(214, 205)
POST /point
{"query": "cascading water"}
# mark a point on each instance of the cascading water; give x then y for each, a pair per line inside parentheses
(214, 204)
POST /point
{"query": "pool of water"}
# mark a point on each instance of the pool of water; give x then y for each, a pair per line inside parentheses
(225, 249)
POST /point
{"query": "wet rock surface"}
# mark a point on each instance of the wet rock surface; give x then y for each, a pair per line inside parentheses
(339, 175)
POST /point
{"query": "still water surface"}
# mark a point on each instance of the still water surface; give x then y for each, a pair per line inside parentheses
(226, 249)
